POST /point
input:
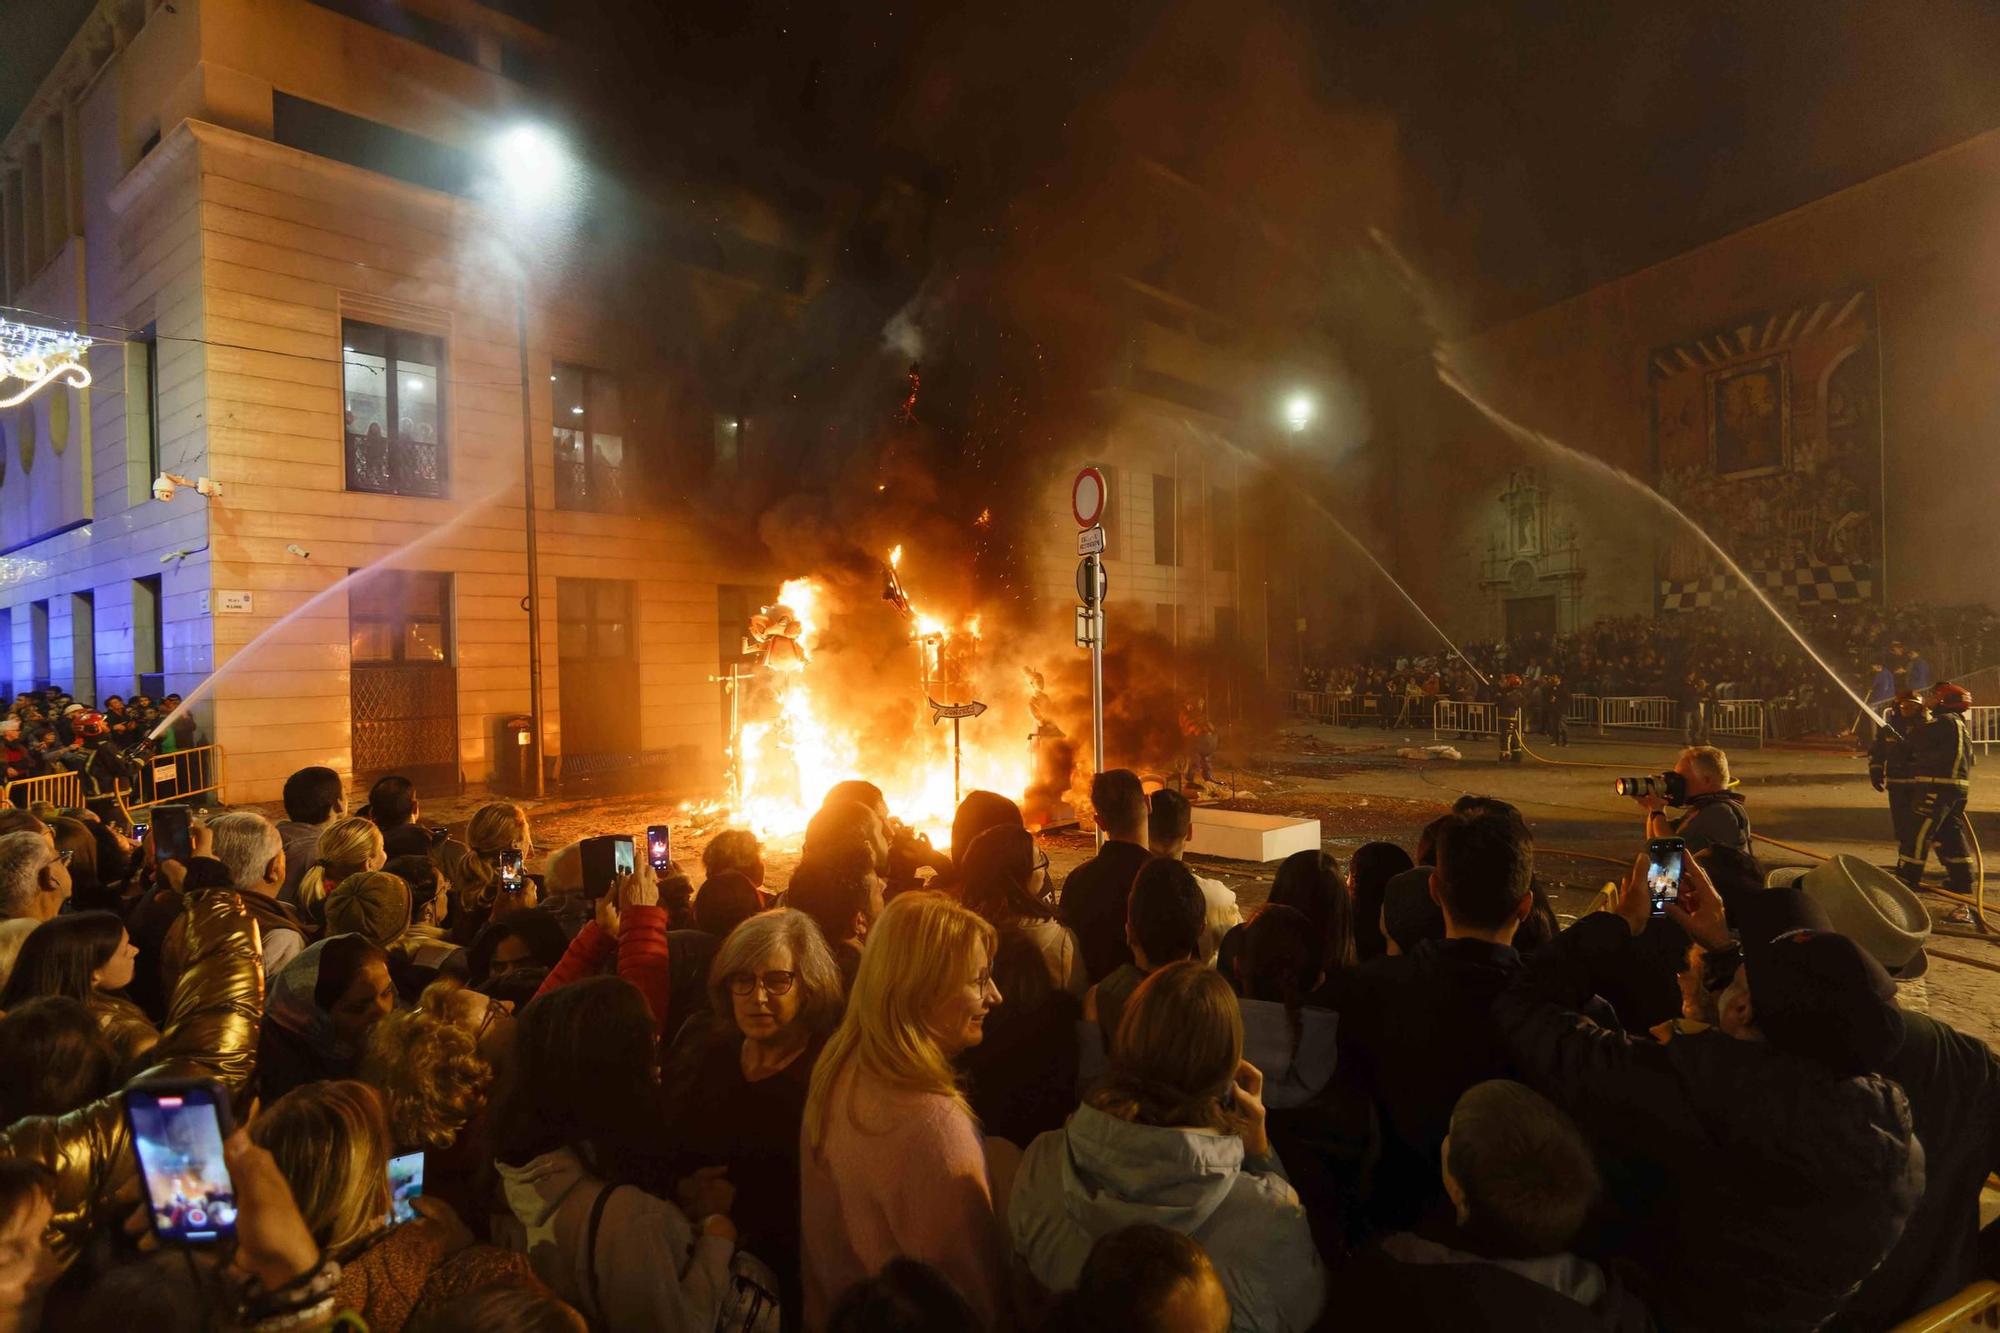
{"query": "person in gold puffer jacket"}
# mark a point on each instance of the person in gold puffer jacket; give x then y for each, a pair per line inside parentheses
(210, 1032)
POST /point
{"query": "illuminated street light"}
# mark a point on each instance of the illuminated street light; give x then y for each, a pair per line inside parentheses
(1298, 412)
(530, 186)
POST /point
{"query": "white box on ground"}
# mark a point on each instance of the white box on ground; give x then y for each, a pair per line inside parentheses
(1237, 835)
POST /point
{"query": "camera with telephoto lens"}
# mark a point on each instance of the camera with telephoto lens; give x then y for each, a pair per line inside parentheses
(1669, 784)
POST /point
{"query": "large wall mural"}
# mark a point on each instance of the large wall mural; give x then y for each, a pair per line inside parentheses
(1769, 434)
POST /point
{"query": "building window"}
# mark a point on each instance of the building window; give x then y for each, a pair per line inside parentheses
(142, 413)
(1166, 524)
(590, 440)
(401, 619)
(149, 642)
(38, 643)
(1222, 529)
(370, 145)
(594, 619)
(392, 384)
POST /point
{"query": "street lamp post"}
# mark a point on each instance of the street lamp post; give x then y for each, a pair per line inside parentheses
(530, 170)
(533, 601)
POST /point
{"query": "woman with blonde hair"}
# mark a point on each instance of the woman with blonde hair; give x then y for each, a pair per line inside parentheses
(331, 1143)
(475, 875)
(1176, 1135)
(892, 1162)
(349, 847)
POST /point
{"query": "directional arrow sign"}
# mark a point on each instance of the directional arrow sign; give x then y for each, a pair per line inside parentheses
(939, 712)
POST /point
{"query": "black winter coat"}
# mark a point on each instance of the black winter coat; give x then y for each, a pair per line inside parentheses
(1953, 1083)
(1757, 1189)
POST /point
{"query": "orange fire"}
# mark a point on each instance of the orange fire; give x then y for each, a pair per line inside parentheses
(815, 737)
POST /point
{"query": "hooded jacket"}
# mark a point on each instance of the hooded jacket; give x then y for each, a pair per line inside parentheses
(1757, 1187)
(653, 1272)
(1099, 1173)
(1413, 1280)
(211, 1032)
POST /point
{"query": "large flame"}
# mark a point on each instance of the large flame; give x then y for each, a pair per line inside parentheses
(815, 738)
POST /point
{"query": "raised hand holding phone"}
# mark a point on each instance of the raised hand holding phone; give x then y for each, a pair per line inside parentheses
(1699, 908)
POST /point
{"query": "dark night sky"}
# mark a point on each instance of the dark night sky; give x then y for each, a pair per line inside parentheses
(1549, 144)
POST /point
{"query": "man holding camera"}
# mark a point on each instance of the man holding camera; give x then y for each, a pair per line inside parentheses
(1700, 787)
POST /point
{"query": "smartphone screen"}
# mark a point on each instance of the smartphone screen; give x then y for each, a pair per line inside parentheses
(508, 861)
(177, 1132)
(406, 1185)
(1663, 876)
(139, 833)
(624, 858)
(659, 846)
(173, 838)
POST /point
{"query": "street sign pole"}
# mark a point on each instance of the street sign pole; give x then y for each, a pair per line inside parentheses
(1089, 498)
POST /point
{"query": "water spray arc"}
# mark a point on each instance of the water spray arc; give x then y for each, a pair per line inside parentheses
(248, 650)
(1451, 379)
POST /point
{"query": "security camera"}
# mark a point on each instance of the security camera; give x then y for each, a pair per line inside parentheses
(299, 551)
(163, 488)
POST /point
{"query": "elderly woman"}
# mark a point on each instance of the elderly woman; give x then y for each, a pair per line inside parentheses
(741, 1076)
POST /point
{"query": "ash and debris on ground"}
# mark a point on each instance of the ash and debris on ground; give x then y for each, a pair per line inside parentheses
(1360, 790)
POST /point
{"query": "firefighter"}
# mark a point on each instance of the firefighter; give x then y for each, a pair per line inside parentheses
(1511, 704)
(1940, 781)
(1890, 761)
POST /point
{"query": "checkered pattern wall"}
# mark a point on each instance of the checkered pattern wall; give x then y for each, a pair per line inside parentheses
(1805, 581)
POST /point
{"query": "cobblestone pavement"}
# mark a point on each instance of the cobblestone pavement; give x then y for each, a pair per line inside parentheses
(1359, 789)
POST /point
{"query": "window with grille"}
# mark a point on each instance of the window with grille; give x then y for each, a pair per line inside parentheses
(392, 384)
(589, 422)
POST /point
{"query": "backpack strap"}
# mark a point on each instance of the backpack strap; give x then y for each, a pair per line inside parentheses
(590, 1249)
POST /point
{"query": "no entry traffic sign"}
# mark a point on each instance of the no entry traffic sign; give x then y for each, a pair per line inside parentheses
(1087, 495)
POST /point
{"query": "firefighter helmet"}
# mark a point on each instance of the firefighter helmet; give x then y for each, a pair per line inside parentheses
(1909, 703)
(1949, 698)
(90, 724)
(1511, 681)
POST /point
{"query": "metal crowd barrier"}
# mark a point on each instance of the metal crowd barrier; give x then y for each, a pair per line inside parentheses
(1647, 712)
(1737, 717)
(1584, 711)
(1464, 718)
(63, 790)
(177, 776)
(1983, 721)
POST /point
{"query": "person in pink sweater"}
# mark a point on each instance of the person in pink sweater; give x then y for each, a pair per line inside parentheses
(892, 1161)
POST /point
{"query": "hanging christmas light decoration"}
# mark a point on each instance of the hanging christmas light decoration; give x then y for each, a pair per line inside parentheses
(31, 358)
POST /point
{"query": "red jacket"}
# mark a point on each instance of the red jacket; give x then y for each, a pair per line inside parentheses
(640, 948)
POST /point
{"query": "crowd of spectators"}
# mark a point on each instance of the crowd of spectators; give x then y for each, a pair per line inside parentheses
(1736, 651)
(48, 731)
(1399, 1094)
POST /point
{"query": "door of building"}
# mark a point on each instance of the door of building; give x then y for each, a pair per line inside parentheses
(599, 669)
(403, 685)
(1528, 617)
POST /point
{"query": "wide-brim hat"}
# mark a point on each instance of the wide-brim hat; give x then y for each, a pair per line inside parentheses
(1868, 905)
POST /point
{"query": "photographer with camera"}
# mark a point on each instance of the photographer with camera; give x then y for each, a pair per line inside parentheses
(1699, 786)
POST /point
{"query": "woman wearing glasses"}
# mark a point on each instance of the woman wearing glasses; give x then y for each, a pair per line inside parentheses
(739, 1079)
